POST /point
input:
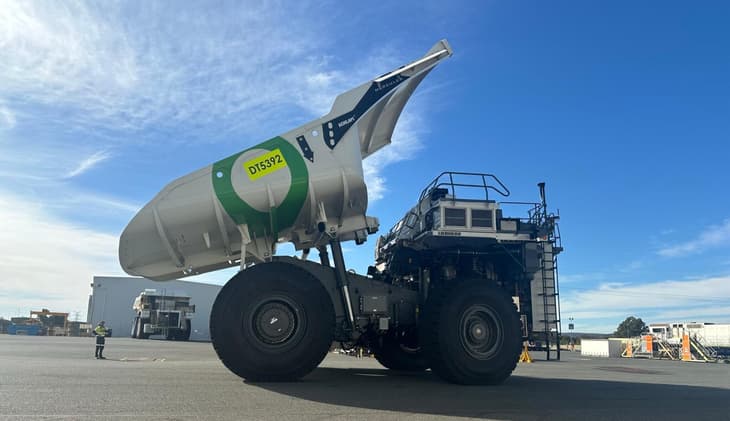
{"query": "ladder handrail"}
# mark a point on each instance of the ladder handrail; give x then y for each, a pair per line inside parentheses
(665, 348)
(706, 352)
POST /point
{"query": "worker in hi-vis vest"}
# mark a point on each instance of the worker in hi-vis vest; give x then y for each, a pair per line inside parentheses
(100, 332)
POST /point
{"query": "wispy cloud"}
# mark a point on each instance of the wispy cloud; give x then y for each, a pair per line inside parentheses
(189, 67)
(699, 299)
(406, 142)
(42, 255)
(88, 163)
(198, 72)
(7, 118)
(591, 277)
(713, 236)
(198, 66)
(100, 201)
(633, 266)
(709, 313)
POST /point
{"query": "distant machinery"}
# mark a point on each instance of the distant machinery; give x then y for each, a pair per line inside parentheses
(40, 323)
(24, 326)
(162, 314)
(690, 341)
(707, 342)
(711, 334)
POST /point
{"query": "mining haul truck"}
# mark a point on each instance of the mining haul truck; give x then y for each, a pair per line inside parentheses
(457, 285)
(162, 314)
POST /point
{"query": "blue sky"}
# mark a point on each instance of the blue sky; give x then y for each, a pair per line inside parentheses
(623, 108)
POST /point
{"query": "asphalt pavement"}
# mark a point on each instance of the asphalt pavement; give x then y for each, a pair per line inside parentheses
(58, 378)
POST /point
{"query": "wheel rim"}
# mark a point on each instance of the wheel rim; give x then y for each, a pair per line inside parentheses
(480, 332)
(275, 321)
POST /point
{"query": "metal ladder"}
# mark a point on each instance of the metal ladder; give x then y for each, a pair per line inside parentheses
(550, 299)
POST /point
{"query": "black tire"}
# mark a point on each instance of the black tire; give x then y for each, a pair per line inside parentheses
(181, 334)
(272, 322)
(400, 352)
(140, 331)
(471, 333)
(184, 335)
(134, 327)
(138, 328)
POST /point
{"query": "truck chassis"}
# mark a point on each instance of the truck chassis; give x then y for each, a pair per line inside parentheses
(451, 290)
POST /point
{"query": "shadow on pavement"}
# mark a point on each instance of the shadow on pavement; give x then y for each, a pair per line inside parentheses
(519, 398)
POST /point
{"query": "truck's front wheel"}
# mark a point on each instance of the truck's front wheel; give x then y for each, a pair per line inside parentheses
(472, 334)
(272, 322)
(134, 327)
(140, 329)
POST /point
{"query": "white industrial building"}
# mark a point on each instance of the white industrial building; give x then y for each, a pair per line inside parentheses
(112, 297)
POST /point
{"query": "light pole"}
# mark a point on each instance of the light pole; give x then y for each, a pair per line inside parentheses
(571, 346)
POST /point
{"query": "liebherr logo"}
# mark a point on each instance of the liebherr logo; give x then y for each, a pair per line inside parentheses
(345, 122)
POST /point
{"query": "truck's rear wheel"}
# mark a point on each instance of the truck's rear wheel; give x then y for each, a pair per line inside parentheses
(272, 322)
(184, 335)
(400, 352)
(472, 334)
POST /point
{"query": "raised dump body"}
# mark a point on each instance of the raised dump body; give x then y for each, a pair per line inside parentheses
(305, 186)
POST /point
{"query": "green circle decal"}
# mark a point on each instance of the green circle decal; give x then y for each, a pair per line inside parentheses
(282, 216)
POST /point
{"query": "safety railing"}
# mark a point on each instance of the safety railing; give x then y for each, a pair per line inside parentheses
(451, 180)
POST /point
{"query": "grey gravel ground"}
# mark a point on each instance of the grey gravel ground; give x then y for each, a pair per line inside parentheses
(58, 378)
